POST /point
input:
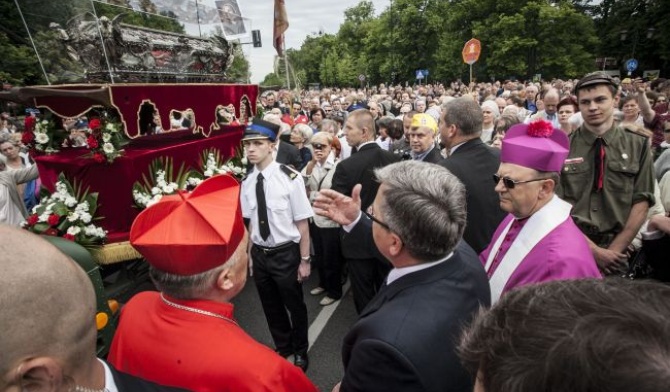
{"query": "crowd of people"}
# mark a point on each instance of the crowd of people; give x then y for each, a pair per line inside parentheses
(484, 229)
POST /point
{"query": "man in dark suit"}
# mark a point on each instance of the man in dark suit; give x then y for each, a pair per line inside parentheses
(474, 163)
(48, 322)
(365, 270)
(288, 154)
(406, 338)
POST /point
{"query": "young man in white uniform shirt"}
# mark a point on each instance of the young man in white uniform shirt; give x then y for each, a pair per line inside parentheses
(273, 198)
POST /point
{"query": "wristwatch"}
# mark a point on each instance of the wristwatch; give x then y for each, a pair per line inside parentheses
(306, 259)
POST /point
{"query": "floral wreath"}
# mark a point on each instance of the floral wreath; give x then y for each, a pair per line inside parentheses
(69, 212)
(41, 136)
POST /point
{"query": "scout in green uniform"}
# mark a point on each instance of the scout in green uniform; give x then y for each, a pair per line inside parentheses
(608, 176)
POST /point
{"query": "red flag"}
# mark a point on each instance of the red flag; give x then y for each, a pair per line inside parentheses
(281, 25)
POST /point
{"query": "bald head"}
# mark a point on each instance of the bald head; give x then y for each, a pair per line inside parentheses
(551, 99)
(48, 303)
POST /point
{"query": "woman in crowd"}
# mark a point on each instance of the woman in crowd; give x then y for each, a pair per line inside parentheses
(300, 137)
(504, 123)
(566, 108)
(15, 160)
(324, 232)
(383, 138)
(631, 110)
(315, 117)
(12, 209)
(491, 114)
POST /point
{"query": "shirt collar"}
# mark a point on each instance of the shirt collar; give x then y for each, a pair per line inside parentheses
(453, 149)
(269, 170)
(110, 383)
(590, 137)
(398, 273)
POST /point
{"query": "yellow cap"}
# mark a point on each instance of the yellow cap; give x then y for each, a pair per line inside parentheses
(424, 120)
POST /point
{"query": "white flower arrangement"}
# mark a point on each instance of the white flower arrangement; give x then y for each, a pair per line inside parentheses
(68, 213)
(161, 181)
(211, 163)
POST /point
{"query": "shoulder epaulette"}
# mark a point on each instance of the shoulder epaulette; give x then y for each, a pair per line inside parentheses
(291, 173)
(632, 130)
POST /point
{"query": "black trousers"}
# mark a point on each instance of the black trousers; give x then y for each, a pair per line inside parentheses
(367, 276)
(328, 258)
(276, 277)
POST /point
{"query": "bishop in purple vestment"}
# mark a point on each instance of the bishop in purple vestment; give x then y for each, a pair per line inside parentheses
(538, 241)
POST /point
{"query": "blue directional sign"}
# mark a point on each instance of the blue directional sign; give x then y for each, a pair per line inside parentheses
(421, 73)
(631, 65)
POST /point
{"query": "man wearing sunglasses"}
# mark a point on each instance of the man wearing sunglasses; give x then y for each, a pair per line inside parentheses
(538, 240)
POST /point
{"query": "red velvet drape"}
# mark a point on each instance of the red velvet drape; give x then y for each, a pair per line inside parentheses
(114, 181)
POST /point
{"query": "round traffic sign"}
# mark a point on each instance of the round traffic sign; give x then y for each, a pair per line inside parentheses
(471, 51)
(361, 77)
(631, 65)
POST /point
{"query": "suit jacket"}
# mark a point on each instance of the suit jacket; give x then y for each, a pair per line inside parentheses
(288, 154)
(359, 169)
(433, 156)
(127, 383)
(474, 163)
(406, 338)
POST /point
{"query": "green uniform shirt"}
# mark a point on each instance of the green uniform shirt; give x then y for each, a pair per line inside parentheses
(628, 179)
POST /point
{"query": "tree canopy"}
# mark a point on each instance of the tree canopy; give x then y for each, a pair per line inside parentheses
(520, 38)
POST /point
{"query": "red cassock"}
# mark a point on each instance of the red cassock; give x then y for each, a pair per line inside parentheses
(199, 352)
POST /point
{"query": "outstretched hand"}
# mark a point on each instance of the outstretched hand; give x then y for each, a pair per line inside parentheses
(338, 207)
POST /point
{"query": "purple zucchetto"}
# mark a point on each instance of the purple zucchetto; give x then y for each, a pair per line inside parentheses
(537, 145)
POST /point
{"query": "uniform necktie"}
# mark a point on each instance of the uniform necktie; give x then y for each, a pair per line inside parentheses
(599, 163)
(263, 224)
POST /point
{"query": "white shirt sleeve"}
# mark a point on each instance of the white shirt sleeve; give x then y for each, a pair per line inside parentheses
(300, 205)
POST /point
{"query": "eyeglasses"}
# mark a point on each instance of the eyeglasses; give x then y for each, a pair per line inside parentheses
(510, 183)
(318, 146)
(377, 221)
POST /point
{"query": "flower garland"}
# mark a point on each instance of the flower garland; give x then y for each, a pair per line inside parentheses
(41, 136)
(68, 212)
(162, 180)
(105, 140)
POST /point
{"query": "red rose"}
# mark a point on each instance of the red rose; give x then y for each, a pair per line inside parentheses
(92, 142)
(52, 232)
(94, 124)
(53, 219)
(32, 220)
(69, 237)
(27, 137)
(29, 123)
(98, 157)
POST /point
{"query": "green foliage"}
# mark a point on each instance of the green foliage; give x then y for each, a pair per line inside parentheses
(18, 63)
(239, 71)
(519, 38)
(272, 79)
